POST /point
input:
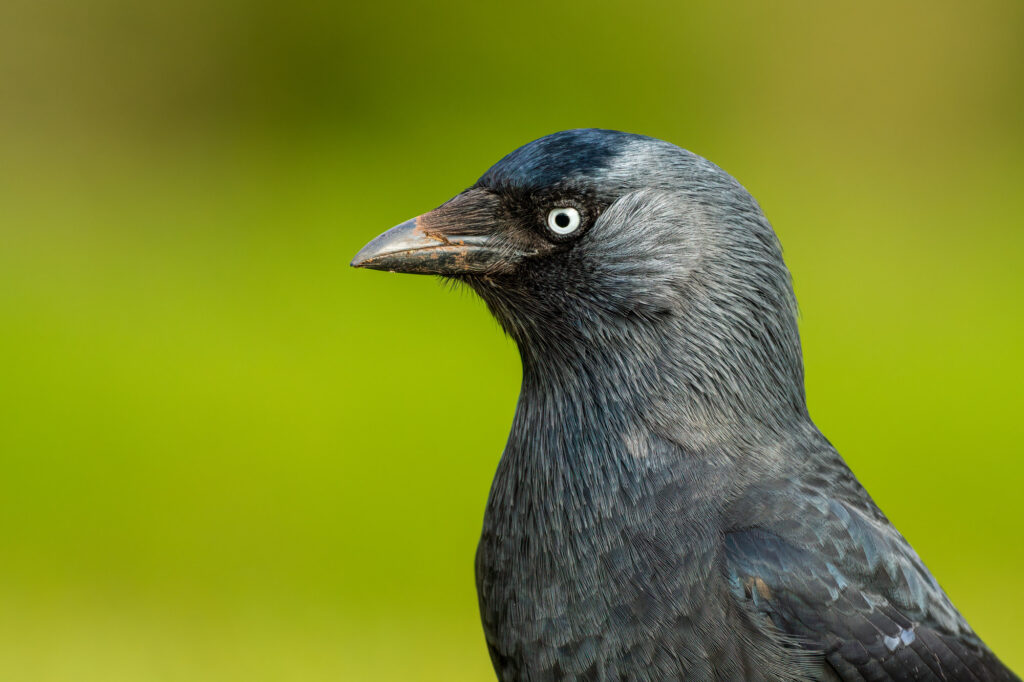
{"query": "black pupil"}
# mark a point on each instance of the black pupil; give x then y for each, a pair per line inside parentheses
(562, 220)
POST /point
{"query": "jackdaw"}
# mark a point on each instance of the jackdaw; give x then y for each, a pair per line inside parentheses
(665, 508)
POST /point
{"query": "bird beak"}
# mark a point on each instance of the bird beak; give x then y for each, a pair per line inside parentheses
(454, 239)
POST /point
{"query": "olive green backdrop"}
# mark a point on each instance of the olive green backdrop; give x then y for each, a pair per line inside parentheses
(225, 455)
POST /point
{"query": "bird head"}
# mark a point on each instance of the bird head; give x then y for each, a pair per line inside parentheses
(603, 248)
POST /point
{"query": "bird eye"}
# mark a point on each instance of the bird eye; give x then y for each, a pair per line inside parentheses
(564, 220)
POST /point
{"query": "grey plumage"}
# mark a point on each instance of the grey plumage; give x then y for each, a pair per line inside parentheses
(665, 508)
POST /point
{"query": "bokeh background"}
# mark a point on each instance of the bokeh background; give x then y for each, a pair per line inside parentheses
(224, 455)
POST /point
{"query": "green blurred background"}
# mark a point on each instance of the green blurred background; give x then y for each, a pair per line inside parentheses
(224, 454)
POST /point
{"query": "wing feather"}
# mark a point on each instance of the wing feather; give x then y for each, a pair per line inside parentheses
(837, 576)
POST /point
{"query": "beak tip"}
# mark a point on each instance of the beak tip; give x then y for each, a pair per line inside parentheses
(388, 244)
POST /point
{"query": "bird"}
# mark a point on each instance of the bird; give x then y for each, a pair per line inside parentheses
(665, 508)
